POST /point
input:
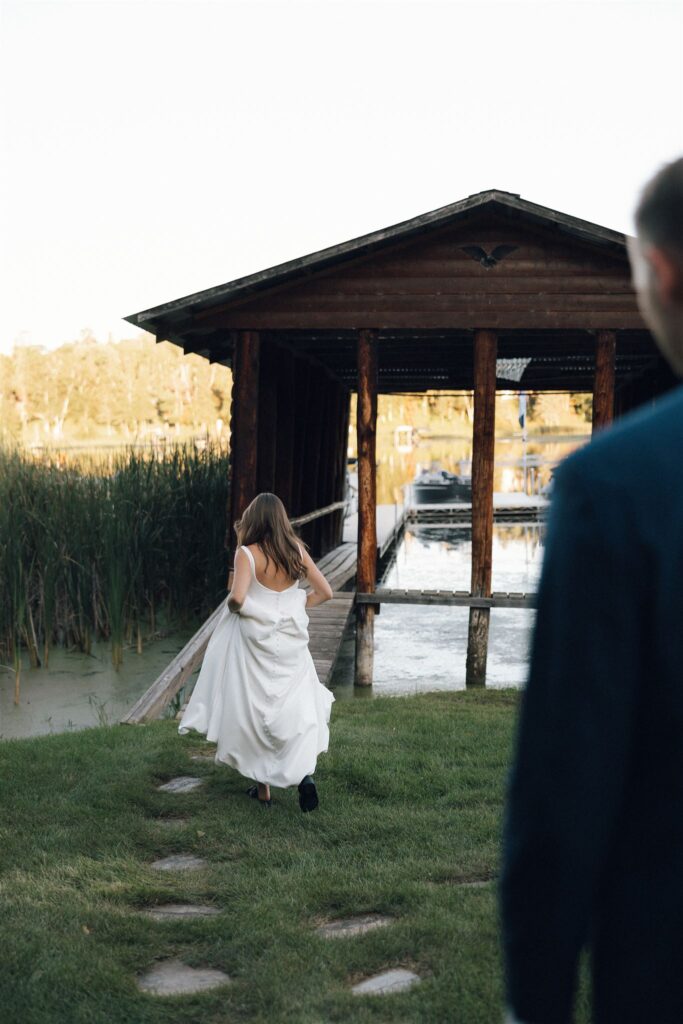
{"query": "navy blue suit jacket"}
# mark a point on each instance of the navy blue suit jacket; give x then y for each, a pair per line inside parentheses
(593, 833)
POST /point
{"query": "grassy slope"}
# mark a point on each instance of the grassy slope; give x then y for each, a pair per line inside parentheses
(411, 794)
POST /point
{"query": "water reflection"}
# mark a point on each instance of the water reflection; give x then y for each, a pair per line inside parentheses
(423, 648)
(519, 466)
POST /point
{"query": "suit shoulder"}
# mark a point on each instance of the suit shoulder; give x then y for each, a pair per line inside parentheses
(637, 451)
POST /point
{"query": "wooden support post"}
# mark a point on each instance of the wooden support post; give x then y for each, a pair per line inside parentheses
(366, 418)
(267, 418)
(329, 467)
(313, 456)
(243, 428)
(603, 389)
(340, 483)
(483, 445)
(286, 413)
(302, 428)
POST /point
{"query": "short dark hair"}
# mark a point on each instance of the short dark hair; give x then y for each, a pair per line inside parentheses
(659, 214)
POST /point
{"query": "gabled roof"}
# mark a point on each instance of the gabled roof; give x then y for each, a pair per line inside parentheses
(170, 313)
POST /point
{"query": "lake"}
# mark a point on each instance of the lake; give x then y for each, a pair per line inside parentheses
(80, 690)
(422, 647)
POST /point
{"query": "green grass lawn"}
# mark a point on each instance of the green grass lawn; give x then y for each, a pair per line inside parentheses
(411, 798)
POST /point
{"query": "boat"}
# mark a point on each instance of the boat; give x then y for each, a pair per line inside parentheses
(438, 486)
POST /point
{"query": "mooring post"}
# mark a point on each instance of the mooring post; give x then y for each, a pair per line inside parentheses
(366, 421)
(603, 388)
(483, 446)
(243, 431)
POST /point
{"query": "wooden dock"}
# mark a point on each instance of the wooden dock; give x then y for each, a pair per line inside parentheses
(506, 507)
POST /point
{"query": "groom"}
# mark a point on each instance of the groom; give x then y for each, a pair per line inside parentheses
(593, 837)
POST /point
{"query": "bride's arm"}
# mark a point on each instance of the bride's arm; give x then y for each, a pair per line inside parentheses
(321, 590)
(241, 581)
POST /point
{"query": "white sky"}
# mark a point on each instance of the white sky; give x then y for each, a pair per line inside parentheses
(155, 148)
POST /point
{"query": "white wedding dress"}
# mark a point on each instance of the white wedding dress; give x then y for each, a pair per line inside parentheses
(258, 696)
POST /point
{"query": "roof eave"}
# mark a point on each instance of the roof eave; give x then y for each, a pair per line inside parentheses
(363, 244)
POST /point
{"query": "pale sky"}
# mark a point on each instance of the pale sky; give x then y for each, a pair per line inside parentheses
(155, 148)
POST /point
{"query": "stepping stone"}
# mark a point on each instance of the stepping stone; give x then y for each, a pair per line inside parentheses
(206, 758)
(353, 926)
(169, 911)
(172, 822)
(179, 862)
(182, 784)
(174, 978)
(387, 983)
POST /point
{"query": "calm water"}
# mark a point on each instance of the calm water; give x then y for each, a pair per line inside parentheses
(518, 466)
(81, 690)
(421, 648)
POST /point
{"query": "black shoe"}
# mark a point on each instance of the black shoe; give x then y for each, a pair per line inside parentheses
(253, 792)
(308, 794)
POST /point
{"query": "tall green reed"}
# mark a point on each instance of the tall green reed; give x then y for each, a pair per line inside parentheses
(89, 554)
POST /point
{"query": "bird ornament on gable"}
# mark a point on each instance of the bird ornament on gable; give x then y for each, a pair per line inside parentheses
(488, 260)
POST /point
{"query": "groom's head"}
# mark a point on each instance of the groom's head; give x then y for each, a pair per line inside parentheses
(657, 260)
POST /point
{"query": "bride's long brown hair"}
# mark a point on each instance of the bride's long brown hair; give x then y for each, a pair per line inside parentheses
(265, 522)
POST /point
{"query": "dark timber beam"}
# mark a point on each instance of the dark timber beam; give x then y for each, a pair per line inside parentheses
(286, 412)
(267, 418)
(366, 419)
(313, 455)
(603, 389)
(243, 429)
(483, 444)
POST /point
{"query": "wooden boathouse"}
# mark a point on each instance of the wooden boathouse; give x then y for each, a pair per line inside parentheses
(439, 301)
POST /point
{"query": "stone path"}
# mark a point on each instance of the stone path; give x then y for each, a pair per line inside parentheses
(183, 784)
(386, 983)
(173, 977)
(170, 911)
(353, 926)
(179, 862)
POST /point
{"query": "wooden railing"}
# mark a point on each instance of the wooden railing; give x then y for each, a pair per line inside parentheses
(326, 511)
(461, 598)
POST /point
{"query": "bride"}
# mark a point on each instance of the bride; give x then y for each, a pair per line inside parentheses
(258, 696)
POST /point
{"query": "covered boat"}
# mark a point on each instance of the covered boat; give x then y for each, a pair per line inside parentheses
(438, 486)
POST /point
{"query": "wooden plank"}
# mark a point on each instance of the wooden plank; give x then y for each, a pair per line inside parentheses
(433, 302)
(603, 389)
(446, 597)
(466, 319)
(286, 414)
(314, 454)
(497, 283)
(483, 443)
(326, 633)
(243, 427)
(302, 428)
(267, 418)
(366, 421)
(341, 461)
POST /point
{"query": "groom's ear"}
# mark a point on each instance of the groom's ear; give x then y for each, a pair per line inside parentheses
(667, 274)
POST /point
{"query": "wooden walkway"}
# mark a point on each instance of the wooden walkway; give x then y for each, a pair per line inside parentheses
(390, 521)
